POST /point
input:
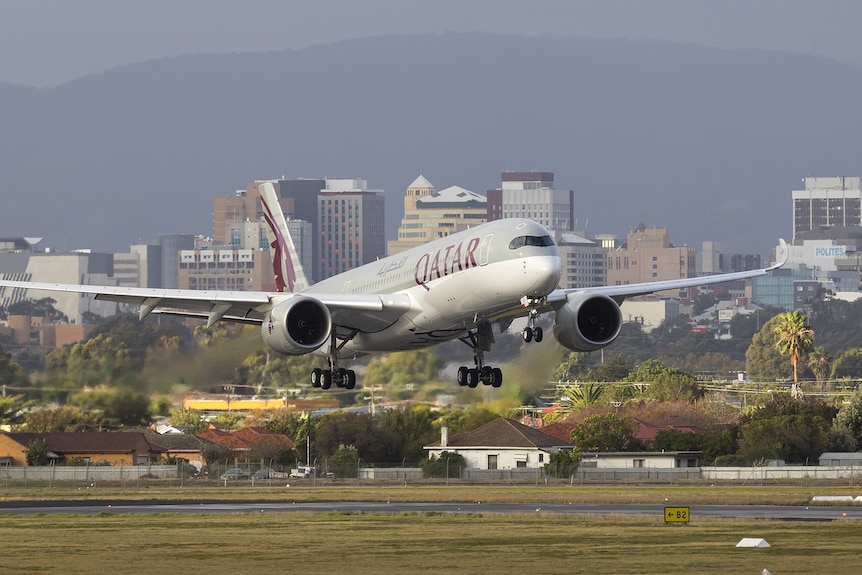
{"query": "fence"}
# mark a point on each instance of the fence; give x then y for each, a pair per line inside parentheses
(88, 473)
(583, 475)
(794, 472)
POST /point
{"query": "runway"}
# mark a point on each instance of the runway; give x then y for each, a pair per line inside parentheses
(773, 512)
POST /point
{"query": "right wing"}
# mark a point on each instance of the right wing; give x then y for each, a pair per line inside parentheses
(371, 311)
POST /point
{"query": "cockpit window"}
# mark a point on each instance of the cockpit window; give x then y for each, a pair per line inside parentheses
(522, 241)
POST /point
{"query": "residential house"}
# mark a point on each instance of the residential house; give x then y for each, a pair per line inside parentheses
(242, 442)
(179, 445)
(501, 444)
(112, 448)
(641, 460)
(840, 459)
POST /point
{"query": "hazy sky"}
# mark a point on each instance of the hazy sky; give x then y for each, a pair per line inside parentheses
(49, 42)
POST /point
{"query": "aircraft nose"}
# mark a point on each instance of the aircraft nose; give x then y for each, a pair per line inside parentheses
(544, 272)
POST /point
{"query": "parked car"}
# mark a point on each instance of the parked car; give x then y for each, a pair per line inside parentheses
(263, 473)
(236, 473)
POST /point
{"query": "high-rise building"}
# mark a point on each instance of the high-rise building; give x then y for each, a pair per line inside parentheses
(140, 267)
(81, 267)
(429, 214)
(827, 203)
(298, 199)
(582, 260)
(170, 246)
(649, 256)
(225, 269)
(350, 226)
(532, 195)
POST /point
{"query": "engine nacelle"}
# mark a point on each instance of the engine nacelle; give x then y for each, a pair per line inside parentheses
(296, 326)
(588, 321)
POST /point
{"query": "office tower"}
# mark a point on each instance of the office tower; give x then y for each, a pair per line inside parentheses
(827, 205)
(532, 195)
(582, 261)
(649, 256)
(350, 226)
(429, 214)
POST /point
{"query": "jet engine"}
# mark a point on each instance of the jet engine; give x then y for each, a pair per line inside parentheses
(588, 321)
(296, 326)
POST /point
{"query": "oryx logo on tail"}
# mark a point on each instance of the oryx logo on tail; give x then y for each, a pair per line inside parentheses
(289, 275)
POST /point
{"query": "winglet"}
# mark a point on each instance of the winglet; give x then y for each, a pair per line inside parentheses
(781, 255)
(289, 275)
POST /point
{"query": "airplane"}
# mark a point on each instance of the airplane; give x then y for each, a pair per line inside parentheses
(456, 287)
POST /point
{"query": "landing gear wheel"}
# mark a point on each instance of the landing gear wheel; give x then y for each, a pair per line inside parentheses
(350, 379)
(537, 334)
(496, 379)
(462, 375)
(485, 374)
(315, 377)
(527, 334)
(473, 377)
(326, 379)
(339, 377)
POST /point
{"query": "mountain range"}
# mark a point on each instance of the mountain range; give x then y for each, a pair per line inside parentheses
(706, 142)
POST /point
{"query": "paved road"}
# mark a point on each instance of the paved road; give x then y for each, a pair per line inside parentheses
(777, 512)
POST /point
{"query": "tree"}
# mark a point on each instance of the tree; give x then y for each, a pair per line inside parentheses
(795, 438)
(468, 419)
(794, 430)
(344, 462)
(403, 368)
(605, 432)
(37, 452)
(268, 449)
(848, 423)
(563, 463)
(191, 419)
(38, 308)
(407, 432)
(11, 373)
(346, 428)
(447, 464)
(793, 338)
(763, 361)
(581, 395)
(820, 363)
(214, 453)
(63, 418)
(666, 383)
(13, 409)
(847, 365)
(115, 407)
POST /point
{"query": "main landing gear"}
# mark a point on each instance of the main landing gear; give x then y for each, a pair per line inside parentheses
(480, 341)
(324, 378)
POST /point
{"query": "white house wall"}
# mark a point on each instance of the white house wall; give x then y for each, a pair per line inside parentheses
(477, 458)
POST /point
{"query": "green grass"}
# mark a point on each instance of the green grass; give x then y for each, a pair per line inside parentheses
(521, 493)
(418, 543)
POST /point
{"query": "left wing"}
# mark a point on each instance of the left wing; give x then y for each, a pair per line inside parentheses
(620, 292)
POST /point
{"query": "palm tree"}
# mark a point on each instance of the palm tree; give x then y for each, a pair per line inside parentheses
(583, 395)
(793, 338)
(820, 362)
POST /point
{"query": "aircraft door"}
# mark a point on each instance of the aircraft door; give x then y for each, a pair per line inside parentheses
(485, 250)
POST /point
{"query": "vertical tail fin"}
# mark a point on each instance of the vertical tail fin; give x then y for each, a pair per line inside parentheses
(289, 275)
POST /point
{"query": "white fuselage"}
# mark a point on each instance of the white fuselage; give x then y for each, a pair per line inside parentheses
(454, 284)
